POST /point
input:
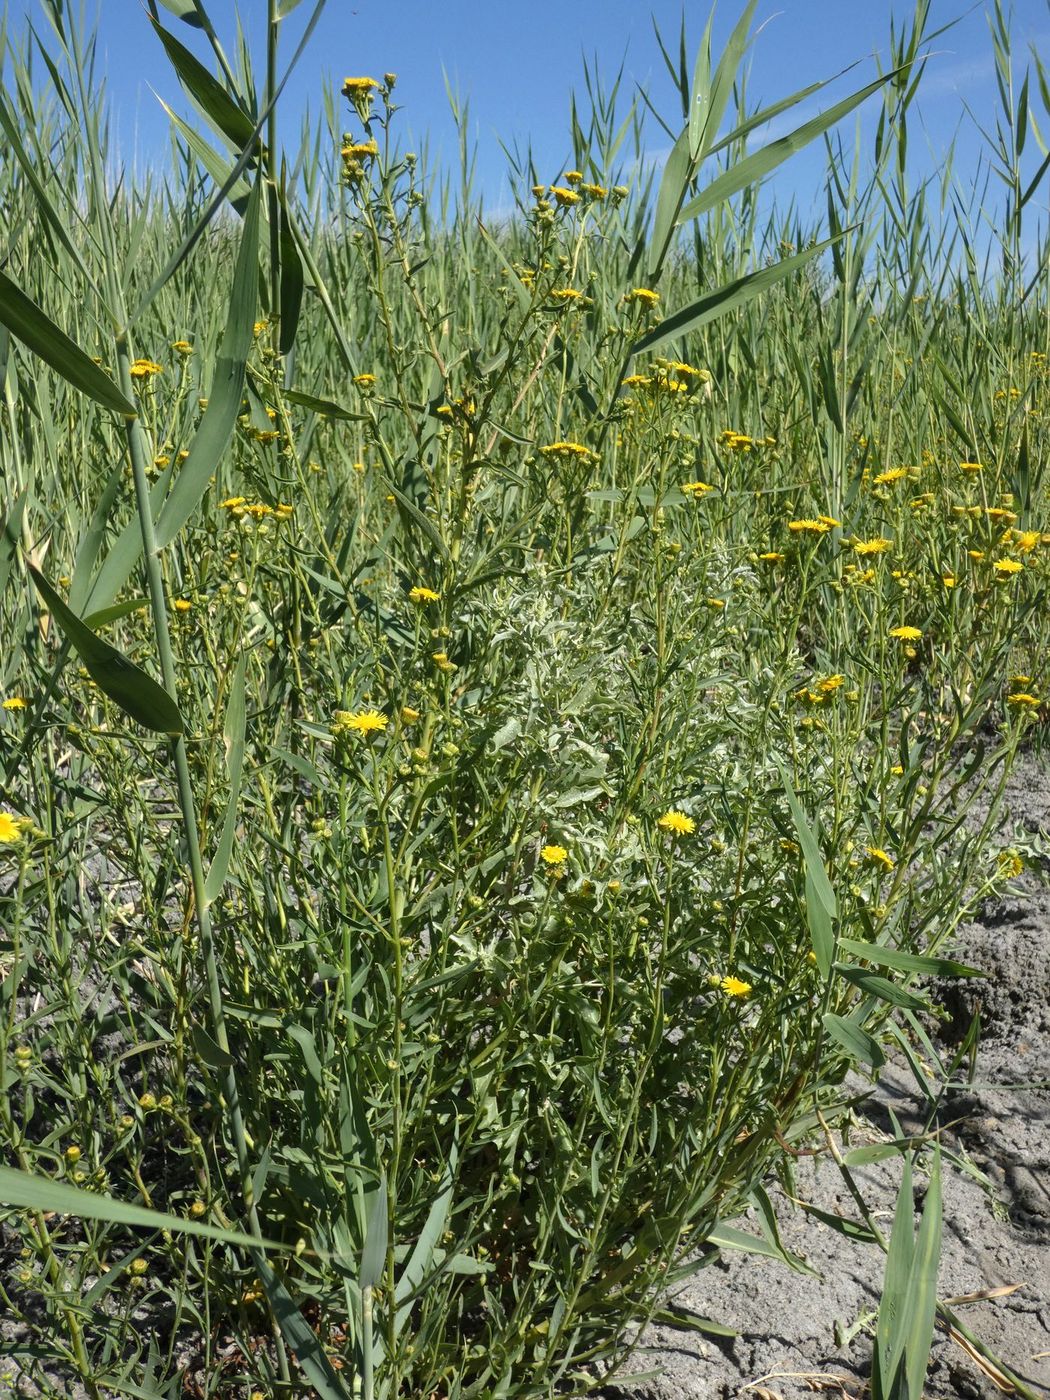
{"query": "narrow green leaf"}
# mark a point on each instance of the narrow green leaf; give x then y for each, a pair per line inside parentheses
(27, 321)
(292, 278)
(854, 1040)
(723, 300)
(907, 962)
(137, 694)
(227, 387)
(373, 1256)
(678, 169)
(755, 167)
(29, 1192)
(104, 616)
(226, 116)
(325, 407)
(233, 736)
(724, 80)
(419, 1261)
(301, 1337)
(872, 985)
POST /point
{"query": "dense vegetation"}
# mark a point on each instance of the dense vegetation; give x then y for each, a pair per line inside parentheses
(537, 684)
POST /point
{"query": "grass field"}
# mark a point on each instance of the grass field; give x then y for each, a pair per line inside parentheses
(491, 711)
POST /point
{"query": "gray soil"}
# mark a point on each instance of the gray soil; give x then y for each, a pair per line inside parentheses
(800, 1334)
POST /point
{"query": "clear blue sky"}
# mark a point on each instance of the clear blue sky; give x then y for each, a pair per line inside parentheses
(517, 63)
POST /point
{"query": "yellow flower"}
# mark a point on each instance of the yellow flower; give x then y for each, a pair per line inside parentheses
(569, 449)
(358, 722)
(359, 150)
(771, 556)
(409, 715)
(14, 702)
(564, 197)
(642, 294)
(1021, 699)
(258, 328)
(879, 545)
(182, 605)
(1005, 567)
(554, 855)
(143, 369)
(356, 86)
(182, 347)
(906, 634)
(10, 829)
(677, 822)
(573, 177)
(440, 659)
(419, 594)
(893, 474)
(1026, 540)
(970, 466)
(948, 580)
(879, 857)
(830, 683)
(565, 294)
(696, 489)
(734, 986)
(593, 191)
(364, 381)
(813, 527)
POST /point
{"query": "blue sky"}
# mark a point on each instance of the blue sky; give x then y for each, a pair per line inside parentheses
(517, 64)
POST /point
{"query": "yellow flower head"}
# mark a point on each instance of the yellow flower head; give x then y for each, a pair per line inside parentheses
(182, 347)
(564, 197)
(696, 489)
(879, 857)
(970, 466)
(734, 986)
(1022, 700)
(10, 829)
(1005, 567)
(569, 449)
(677, 822)
(353, 87)
(830, 683)
(409, 715)
(573, 177)
(645, 295)
(145, 369)
(906, 634)
(358, 722)
(879, 545)
(364, 381)
(812, 527)
(419, 594)
(772, 556)
(887, 478)
(554, 855)
(441, 661)
(14, 702)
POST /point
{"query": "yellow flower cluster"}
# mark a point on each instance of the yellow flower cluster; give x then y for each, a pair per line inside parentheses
(362, 722)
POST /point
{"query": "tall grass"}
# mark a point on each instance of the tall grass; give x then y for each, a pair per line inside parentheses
(496, 715)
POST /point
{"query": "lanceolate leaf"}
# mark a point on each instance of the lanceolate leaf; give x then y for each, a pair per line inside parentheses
(225, 115)
(137, 694)
(755, 167)
(23, 1189)
(24, 319)
(227, 387)
(725, 299)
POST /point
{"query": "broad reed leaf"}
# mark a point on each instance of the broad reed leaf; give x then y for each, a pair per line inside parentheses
(137, 694)
(871, 984)
(24, 319)
(31, 1192)
(233, 736)
(419, 1261)
(854, 1040)
(227, 387)
(722, 301)
(756, 167)
(301, 1337)
(373, 1256)
(227, 117)
(908, 962)
(821, 908)
(325, 407)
